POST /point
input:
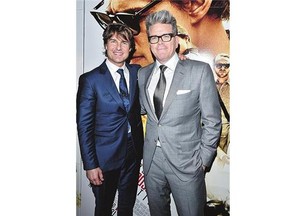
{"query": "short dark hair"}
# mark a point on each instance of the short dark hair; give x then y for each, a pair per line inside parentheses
(122, 30)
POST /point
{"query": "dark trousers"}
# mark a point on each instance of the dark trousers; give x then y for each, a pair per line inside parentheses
(125, 179)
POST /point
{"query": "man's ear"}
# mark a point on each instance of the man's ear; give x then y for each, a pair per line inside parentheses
(198, 9)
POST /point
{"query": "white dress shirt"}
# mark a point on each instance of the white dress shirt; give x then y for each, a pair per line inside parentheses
(169, 72)
(116, 76)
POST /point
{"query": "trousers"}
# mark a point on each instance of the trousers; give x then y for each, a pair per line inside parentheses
(125, 180)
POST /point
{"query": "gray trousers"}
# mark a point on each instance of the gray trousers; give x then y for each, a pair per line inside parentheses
(161, 181)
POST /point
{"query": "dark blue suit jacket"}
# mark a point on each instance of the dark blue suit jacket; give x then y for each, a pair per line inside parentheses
(102, 121)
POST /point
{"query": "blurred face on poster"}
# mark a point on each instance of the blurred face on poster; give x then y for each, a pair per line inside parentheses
(222, 67)
(195, 25)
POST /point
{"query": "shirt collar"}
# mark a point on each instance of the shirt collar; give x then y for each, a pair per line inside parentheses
(113, 68)
(171, 63)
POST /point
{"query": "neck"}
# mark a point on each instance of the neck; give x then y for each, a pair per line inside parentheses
(222, 80)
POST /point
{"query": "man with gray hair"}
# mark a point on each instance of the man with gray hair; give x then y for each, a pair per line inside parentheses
(183, 122)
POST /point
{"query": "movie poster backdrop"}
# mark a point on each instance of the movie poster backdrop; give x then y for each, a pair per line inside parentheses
(90, 50)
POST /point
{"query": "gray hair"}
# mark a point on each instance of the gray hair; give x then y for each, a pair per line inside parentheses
(163, 17)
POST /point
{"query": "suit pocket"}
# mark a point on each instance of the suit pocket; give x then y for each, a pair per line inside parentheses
(187, 96)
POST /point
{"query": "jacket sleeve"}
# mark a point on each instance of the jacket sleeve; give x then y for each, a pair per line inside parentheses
(86, 99)
(210, 116)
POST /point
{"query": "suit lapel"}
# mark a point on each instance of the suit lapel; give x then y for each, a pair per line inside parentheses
(178, 76)
(149, 73)
(110, 84)
(132, 84)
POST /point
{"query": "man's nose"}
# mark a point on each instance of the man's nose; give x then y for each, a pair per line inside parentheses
(118, 47)
(160, 41)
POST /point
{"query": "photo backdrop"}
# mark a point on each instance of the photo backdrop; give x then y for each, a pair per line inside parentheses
(90, 55)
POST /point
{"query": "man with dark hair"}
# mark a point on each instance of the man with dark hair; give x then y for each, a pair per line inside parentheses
(109, 124)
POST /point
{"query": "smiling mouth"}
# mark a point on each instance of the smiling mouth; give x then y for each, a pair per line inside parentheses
(118, 53)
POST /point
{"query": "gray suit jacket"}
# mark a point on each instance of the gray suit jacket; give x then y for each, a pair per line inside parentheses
(190, 123)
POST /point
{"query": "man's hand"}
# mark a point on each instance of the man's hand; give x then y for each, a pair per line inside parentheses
(95, 176)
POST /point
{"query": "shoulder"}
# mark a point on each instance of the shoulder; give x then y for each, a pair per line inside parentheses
(194, 62)
(147, 67)
(90, 73)
(133, 66)
(195, 66)
(93, 74)
(102, 68)
(144, 72)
